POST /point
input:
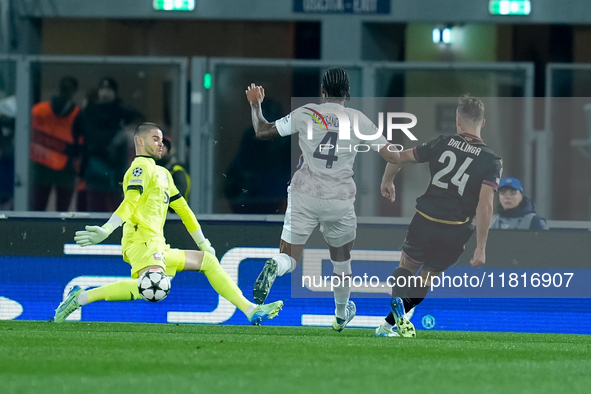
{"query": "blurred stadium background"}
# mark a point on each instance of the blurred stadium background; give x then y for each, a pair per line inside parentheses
(184, 64)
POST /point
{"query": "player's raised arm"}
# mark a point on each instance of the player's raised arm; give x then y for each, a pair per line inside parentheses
(387, 187)
(263, 129)
(484, 212)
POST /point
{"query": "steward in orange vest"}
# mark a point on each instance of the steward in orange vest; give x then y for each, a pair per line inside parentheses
(54, 149)
(52, 144)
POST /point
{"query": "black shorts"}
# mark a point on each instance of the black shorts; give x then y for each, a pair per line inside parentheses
(436, 246)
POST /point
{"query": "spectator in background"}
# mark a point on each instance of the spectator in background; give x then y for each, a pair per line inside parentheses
(104, 153)
(516, 210)
(53, 148)
(258, 175)
(180, 175)
(7, 119)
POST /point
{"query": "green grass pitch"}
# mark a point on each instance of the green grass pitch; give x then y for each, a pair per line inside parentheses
(79, 357)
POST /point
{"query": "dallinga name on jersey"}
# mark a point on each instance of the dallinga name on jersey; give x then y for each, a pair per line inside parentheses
(464, 147)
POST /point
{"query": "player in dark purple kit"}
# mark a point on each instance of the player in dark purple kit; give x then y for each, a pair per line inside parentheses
(465, 173)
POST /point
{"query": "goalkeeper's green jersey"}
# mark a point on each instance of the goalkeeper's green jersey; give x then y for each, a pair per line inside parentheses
(149, 189)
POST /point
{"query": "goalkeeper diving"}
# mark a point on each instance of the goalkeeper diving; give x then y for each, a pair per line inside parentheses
(149, 191)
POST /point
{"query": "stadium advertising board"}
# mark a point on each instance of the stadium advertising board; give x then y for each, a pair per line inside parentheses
(40, 263)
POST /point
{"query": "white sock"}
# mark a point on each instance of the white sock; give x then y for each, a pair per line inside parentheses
(341, 298)
(82, 298)
(387, 325)
(285, 264)
(250, 310)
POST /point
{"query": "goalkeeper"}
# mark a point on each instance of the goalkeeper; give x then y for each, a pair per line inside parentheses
(149, 189)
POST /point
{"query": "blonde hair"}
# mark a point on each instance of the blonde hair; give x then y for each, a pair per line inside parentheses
(471, 108)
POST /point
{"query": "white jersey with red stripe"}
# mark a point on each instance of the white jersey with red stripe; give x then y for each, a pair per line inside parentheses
(330, 136)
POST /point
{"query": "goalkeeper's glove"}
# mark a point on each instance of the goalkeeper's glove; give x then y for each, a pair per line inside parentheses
(202, 242)
(93, 235)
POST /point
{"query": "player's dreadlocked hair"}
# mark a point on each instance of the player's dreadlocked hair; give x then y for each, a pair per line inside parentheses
(471, 108)
(335, 82)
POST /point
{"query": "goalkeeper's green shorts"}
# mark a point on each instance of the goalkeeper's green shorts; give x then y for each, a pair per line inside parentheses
(145, 254)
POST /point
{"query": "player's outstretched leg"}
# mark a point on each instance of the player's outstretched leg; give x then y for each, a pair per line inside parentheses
(122, 290)
(67, 306)
(405, 328)
(223, 284)
(339, 324)
(264, 312)
(264, 282)
(281, 264)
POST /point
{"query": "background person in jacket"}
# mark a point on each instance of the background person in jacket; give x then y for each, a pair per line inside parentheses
(516, 210)
(104, 154)
(260, 172)
(180, 175)
(53, 148)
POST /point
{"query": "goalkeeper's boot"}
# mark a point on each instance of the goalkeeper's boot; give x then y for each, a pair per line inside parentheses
(265, 312)
(262, 286)
(68, 306)
(382, 331)
(403, 325)
(339, 324)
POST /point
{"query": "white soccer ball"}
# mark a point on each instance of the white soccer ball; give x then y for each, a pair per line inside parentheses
(154, 285)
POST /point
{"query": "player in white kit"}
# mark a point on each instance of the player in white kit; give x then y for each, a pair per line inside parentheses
(322, 190)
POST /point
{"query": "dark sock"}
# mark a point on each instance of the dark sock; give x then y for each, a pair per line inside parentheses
(390, 319)
(400, 291)
(414, 297)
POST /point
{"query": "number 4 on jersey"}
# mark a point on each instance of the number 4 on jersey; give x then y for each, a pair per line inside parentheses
(328, 142)
(460, 179)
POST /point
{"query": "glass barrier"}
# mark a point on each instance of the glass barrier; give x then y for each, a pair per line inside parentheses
(453, 81)
(83, 115)
(568, 141)
(77, 162)
(249, 175)
(433, 92)
(407, 122)
(7, 132)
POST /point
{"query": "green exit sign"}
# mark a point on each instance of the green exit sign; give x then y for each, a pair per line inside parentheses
(509, 7)
(174, 5)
